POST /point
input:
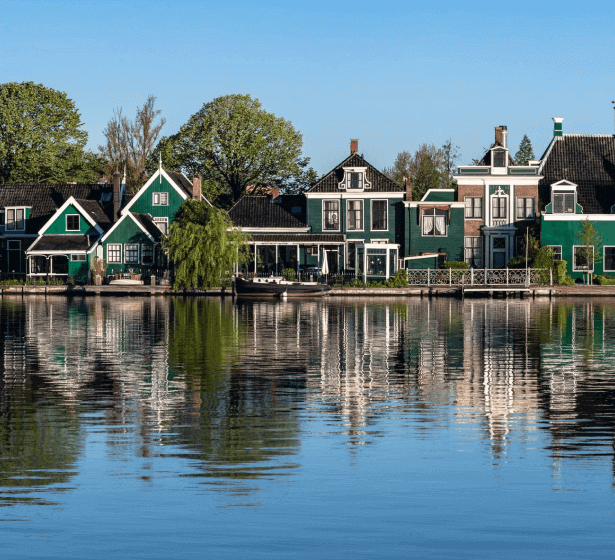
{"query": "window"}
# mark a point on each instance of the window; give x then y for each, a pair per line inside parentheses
(355, 215)
(499, 158)
(609, 258)
(114, 253)
(15, 219)
(379, 215)
(525, 207)
(563, 203)
(147, 254)
(77, 258)
(498, 205)
(473, 251)
(162, 224)
(73, 222)
(355, 180)
(474, 206)
(581, 260)
(434, 222)
(377, 262)
(557, 251)
(331, 214)
(160, 199)
(131, 253)
(14, 245)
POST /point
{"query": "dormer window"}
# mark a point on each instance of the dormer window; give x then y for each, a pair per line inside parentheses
(563, 203)
(499, 158)
(355, 179)
(15, 219)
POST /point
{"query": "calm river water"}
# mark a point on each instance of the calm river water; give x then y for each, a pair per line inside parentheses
(335, 428)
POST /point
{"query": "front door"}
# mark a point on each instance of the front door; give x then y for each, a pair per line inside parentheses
(500, 252)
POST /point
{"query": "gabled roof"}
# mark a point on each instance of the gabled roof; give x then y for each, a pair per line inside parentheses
(147, 222)
(98, 212)
(63, 243)
(143, 223)
(261, 212)
(46, 199)
(177, 180)
(588, 160)
(379, 182)
(181, 181)
(90, 218)
(487, 157)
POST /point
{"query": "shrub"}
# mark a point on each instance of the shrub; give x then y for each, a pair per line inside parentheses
(457, 265)
(290, 274)
(517, 262)
(560, 277)
(604, 280)
(400, 280)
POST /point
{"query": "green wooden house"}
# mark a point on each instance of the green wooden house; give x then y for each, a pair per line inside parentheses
(357, 210)
(578, 184)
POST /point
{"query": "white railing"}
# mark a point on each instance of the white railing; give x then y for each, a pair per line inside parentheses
(496, 222)
(480, 277)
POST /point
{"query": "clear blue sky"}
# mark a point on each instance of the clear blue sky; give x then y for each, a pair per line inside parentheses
(388, 73)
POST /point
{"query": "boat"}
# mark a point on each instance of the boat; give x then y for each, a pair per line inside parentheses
(277, 286)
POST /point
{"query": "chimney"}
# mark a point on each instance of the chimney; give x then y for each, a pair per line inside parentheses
(557, 126)
(196, 187)
(116, 194)
(274, 192)
(408, 184)
(501, 132)
(354, 146)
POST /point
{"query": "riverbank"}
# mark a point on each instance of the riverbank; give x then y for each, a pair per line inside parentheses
(420, 291)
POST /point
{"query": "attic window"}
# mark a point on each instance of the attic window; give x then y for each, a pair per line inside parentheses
(499, 158)
(105, 197)
(563, 203)
(355, 179)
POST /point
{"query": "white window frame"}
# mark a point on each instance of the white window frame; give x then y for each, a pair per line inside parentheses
(361, 202)
(604, 247)
(78, 221)
(115, 245)
(472, 207)
(526, 216)
(434, 215)
(339, 220)
(386, 214)
(148, 246)
(162, 220)
(574, 259)
(130, 247)
(554, 247)
(346, 181)
(14, 210)
(499, 206)
(563, 193)
(466, 247)
(77, 257)
(160, 198)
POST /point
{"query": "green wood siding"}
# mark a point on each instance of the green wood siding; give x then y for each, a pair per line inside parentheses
(59, 224)
(440, 196)
(452, 243)
(126, 232)
(144, 204)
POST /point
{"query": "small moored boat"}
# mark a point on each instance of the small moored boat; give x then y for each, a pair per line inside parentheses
(277, 286)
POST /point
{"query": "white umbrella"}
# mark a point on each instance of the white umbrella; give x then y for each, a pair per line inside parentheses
(325, 264)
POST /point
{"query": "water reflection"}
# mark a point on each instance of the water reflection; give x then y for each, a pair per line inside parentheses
(224, 393)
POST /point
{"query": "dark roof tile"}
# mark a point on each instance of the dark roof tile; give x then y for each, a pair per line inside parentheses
(261, 211)
(64, 243)
(148, 223)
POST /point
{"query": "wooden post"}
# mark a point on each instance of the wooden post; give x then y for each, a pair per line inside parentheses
(428, 274)
(450, 276)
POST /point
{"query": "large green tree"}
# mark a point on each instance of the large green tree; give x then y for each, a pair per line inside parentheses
(232, 143)
(525, 153)
(204, 245)
(41, 139)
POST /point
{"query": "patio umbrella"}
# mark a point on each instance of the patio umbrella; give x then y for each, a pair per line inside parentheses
(325, 263)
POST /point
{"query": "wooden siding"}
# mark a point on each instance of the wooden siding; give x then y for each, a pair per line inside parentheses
(59, 224)
(452, 243)
(144, 204)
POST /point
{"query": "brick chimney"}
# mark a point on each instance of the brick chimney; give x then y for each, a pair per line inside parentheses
(408, 184)
(354, 146)
(117, 202)
(557, 126)
(501, 132)
(196, 187)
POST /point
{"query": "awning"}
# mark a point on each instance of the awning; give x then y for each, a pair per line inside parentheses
(62, 243)
(299, 238)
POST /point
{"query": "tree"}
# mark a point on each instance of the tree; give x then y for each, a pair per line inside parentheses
(525, 153)
(204, 245)
(401, 168)
(450, 157)
(232, 143)
(41, 139)
(590, 251)
(131, 143)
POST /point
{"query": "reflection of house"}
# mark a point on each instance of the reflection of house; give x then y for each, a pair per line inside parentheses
(579, 184)
(500, 203)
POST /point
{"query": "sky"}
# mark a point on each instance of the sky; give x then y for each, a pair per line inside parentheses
(394, 75)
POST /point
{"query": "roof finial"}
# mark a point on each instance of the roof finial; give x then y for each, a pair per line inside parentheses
(160, 166)
(124, 178)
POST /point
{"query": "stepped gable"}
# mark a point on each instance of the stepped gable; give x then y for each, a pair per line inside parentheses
(254, 211)
(586, 160)
(45, 199)
(379, 182)
(148, 223)
(487, 157)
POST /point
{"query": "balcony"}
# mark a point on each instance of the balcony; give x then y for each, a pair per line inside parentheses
(497, 222)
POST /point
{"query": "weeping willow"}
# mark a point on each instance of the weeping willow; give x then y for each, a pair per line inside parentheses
(203, 246)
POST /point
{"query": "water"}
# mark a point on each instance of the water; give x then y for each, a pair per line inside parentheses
(334, 428)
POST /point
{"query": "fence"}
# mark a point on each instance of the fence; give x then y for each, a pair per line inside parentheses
(481, 277)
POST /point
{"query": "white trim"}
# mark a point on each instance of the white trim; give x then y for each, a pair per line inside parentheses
(417, 204)
(66, 223)
(564, 185)
(161, 220)
(488, 180)
(344, 183)
(161, 173)
(71, 201)
(561, 252)
(339, 217)
(358, 194)
(371, 213)
(266, 229)
(362, 215)
(482, 208)
(574, 260)
(578, 217)
(435, 190)
(138, 246)
(121, 261)
(78, 254)
(604, 269)
(160, 193)
(15, 208)
(104, 237)
(62, 253)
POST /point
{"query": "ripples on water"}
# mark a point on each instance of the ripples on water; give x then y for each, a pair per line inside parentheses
(327, 428)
